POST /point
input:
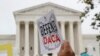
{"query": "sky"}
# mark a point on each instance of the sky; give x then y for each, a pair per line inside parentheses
(7, 7)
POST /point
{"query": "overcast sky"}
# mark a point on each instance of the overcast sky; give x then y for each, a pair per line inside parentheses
(7, 7)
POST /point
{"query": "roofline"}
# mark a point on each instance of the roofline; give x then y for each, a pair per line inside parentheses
(47, 3)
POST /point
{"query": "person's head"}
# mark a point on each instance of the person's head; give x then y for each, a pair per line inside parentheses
(86, 50)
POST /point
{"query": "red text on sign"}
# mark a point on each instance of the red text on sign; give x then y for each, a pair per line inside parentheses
(51, 39)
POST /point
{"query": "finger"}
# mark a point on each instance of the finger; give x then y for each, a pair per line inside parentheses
(61, 49)
(62, 46)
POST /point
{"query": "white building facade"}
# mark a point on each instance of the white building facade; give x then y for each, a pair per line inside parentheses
(27, 43)
(90, 42)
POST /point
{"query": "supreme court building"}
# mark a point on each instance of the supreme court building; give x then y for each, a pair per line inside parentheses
(27, 43)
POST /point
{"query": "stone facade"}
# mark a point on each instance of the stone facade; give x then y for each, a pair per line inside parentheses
(27, 33)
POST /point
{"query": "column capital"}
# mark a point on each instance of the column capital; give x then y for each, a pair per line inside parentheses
(35, 22)
(71, 22)
(17, 22)
(62, 21)
(78, 23)
(26, 22)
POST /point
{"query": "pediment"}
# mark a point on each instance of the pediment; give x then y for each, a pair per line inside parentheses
(46, 7)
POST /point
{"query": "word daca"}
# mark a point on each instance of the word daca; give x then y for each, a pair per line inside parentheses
(51, 39)
(48, 28)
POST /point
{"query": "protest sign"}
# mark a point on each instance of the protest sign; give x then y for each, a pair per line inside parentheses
(49, 33)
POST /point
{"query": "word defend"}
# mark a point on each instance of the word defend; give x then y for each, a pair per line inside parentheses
(49, 34)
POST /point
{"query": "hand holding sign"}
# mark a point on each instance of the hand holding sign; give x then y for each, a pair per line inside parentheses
(66, 50)
(49, 34)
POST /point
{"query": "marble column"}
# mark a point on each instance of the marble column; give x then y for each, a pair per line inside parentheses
(26, 39)
(36, 41)
(80, 37)
(18, 38)
(63, 29)
(71, 35)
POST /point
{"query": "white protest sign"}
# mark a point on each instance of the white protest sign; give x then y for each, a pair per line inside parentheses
(49, 34)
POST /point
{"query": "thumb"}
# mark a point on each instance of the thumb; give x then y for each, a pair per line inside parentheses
(64, 45)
